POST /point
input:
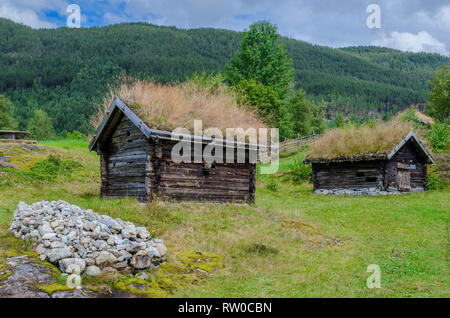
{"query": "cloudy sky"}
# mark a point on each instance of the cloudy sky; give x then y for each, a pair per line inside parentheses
(408, 25)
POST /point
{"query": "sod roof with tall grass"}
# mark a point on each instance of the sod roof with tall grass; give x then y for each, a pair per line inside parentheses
(352, 143)
(169, 106)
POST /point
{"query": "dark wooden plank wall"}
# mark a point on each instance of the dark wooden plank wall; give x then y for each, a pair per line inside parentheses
(125, 162)
(133, 166)
(348, 175)
(222, 182)
(407, 154)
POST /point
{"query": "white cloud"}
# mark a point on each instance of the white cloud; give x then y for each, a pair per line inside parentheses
(111, 18)
(405, 41)
(438, 20)
(23, 15)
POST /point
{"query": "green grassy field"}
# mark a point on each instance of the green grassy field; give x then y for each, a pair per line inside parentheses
(291, 243)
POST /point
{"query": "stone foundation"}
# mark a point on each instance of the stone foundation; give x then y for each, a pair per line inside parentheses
(355, 192)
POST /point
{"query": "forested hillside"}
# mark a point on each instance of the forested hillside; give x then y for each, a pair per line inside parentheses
(65, 71)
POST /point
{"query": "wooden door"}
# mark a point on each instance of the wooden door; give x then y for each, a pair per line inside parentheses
(403, 177)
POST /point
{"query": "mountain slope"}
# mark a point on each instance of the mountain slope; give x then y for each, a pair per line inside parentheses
(66, 71)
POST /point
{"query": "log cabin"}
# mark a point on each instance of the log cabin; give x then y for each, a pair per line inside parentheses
(402, 168)
(136, 161)
(13, 135)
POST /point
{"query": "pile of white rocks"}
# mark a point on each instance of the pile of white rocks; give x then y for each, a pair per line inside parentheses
(355, 192)
(66, 234)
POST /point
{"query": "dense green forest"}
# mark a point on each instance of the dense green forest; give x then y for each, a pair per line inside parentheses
(65, 72)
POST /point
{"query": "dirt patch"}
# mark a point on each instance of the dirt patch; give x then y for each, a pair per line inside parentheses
(311, 234)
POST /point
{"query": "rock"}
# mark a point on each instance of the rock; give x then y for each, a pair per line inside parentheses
(45, 228)
(40, 249)
(89, 261)
(126, 255)
(132, 248)
(104, 259)
(64, 264)
(49, 236)
(162, 249)
(110, 270)
(71, 236)
(102, 245)
(54, 224)
(143, 234)
(13, 226)
(85, 240)
(5, 164)
(67, 235)
(116, 226)
(125, 234)
(22, 206)
(59, 229)
(114, 252)
(56, 254)
(120, 265)
(95, 234)
(88, 226)
(131, 229)
(107, 222)
(142, 259)
(142, 275)
(34, 235)
(153, 251)
(93, 270)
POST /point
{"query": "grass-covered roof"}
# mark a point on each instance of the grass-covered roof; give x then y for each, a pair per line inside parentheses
(169, 106)
(353, 143)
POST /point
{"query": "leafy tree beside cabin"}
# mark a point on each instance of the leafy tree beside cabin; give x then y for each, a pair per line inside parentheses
(439, 97)
(40, 125)
(262, 58)
(6, 114)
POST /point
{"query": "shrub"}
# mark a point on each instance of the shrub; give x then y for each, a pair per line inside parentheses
(74, 135)
(300, 172)
(434, 182)
(272, 185)
(410, 115)
(439, 137)
(50, 168)
(438, 176)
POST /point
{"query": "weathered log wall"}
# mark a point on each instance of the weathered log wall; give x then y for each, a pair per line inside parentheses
(222, 182)
(418, 170)
(347, 175)
(124, 165)
(132, 165)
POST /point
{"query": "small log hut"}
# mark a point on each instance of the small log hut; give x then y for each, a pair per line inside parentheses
(13, 134)
(402, 169)
(136, 161)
